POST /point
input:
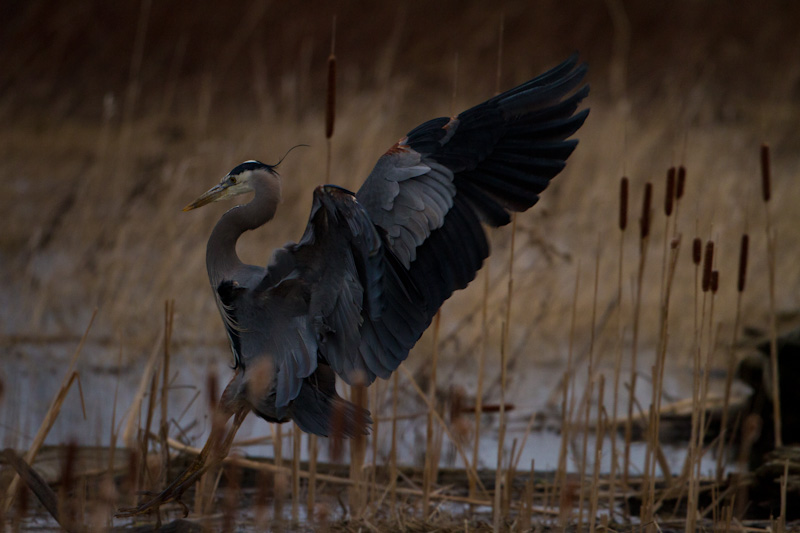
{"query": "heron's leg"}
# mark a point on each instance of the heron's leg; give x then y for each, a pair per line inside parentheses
(215, 450)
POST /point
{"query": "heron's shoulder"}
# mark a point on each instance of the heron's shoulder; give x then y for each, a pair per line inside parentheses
(246, 277)
(335, 191)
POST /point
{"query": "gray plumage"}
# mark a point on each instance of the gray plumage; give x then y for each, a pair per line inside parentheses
(354, 295)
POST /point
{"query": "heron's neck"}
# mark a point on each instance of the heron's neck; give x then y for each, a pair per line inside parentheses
(222, 261)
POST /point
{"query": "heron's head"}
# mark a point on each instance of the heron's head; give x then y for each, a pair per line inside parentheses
(238, 181)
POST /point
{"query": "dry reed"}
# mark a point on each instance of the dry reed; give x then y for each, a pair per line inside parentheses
(590, 377)
(567, 404)
(163, 432)
(430, 454)
(741, 279)
(497, 513)
(52, 414)
(598, 455)
(644, 233)
(623, 223)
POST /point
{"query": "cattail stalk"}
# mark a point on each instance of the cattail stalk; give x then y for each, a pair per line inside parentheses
(589, 387)
(145, 435)
(524, 522)
(508, 479)
(504, 347)
(702, 368)
(429, 474)
(567, 405)
(712, 337)
(741, 278)
(644, 227)
(169, 316)
(697, 258)
(598, 453)
(766, 191)
(481, 369)
(653, 445)
(623, 223)
(498, 507)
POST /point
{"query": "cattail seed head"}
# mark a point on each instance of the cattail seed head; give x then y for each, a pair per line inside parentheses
(708, 261)
(623, 203)
(697, 250)
(714, 281)
(681, 184)
(644, 222)
(330, 101)
(743, 262)
(669, 196)
(766, 185)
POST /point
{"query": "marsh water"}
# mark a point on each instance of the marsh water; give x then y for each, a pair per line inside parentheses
(33, 372)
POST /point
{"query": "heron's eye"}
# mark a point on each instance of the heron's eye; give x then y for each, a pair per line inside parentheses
(233, 180)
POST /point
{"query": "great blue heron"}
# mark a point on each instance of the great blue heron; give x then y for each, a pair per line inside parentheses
(354, 295)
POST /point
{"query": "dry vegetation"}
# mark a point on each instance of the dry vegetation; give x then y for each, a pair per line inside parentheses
(116, 115)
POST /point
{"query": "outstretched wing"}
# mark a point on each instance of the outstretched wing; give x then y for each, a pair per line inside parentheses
(372, 269)
(430, 192)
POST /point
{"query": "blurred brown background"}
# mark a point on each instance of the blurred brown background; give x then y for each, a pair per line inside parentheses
(117, 114)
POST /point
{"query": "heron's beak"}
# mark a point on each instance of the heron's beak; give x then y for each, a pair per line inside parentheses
(216, 193)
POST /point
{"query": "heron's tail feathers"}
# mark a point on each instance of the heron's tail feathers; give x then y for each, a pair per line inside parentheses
(332, 416)
(318, 409)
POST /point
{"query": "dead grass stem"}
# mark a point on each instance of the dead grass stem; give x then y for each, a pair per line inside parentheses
(52, 414)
